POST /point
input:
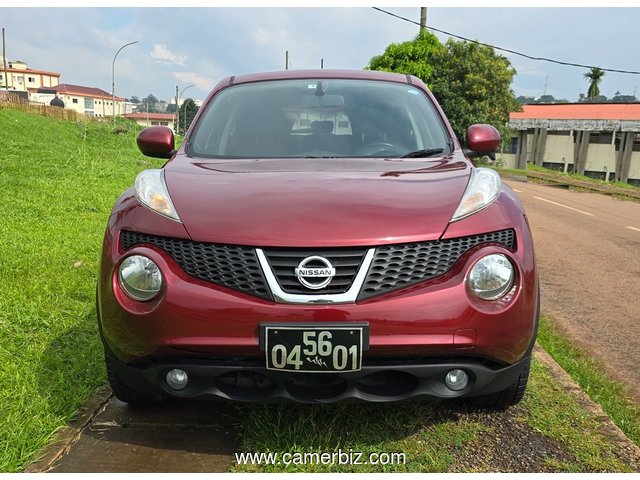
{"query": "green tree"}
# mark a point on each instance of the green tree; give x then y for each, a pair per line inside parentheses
(188, 111)
(470, 81)
(413, 57)
(594, 76)
(148, 104)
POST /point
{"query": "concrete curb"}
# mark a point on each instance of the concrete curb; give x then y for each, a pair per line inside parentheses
(609, 428)
(64, 439)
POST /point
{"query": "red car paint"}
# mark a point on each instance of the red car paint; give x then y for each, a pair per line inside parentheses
(307, 202)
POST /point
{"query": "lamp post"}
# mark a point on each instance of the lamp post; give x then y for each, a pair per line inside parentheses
(113, 81)
(178, 110)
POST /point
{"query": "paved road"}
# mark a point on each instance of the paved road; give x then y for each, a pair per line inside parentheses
(588, 253)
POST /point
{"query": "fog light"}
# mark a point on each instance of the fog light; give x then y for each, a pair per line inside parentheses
(456, 379)
(491, 276)
(177, 379)
(140, 278)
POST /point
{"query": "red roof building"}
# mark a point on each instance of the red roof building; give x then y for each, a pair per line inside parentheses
(87, 100)
(593, 139)
(152, 119)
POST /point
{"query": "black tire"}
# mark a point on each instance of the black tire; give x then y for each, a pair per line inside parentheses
(507, 397)
(125, 393)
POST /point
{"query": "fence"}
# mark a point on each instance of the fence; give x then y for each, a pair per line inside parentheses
(12, 101)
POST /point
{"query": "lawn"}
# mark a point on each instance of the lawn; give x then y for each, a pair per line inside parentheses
(58, 182)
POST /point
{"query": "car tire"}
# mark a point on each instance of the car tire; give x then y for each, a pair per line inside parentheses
(507, 397)
(125, 393)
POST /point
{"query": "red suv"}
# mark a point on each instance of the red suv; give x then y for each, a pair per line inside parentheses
(319, 236)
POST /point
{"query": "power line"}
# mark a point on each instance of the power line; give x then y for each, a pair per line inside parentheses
(530, 57)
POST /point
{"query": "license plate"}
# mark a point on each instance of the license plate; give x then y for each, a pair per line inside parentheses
(316, 348)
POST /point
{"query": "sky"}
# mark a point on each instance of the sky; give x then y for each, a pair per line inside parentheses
(201, 46)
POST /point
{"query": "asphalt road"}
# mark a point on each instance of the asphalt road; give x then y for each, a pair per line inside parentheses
(588, 254)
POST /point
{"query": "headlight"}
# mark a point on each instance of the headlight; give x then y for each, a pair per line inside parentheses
(491, 277)
(151, 190)
(483, 188)
(140, 278)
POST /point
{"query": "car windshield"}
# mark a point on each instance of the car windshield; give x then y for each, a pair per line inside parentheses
(319, 118)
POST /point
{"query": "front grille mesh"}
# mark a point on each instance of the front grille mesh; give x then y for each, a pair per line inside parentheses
(393, 266)
(231, 266)
(397, 266)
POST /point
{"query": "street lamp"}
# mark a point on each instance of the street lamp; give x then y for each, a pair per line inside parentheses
(113, 81)
(178, 110)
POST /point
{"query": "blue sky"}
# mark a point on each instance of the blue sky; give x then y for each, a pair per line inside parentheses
(181, 46)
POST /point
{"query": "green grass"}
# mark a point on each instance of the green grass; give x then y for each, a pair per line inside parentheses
(427, 435)
(556, 414)
(610, 395)
(58, 182)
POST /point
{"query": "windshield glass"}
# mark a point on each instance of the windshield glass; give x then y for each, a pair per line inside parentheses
(319, 118)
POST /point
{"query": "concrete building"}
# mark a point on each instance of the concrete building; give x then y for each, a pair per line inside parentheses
(598, 140)
(87, 100)
(21, 78)
(153, 119)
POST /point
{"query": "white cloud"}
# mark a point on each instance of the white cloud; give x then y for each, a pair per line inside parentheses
(203, 83)
(163, 54)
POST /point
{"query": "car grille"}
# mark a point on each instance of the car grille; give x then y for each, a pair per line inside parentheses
(393, 266)
(231, 266)
(283, 263)
(397, 266)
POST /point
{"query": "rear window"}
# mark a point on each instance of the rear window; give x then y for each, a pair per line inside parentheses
(318, 118)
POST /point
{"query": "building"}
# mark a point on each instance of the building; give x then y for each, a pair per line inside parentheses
(86, 100)
(21, 78)
(599, 140)
(153, 119)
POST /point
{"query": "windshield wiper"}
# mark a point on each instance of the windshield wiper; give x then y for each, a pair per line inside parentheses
(423, 153)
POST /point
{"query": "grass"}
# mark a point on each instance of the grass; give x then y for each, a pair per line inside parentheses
(58, 182)
(535, 168)
(610, 395)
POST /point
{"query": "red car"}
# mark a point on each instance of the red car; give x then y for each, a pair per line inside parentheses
(319, 236)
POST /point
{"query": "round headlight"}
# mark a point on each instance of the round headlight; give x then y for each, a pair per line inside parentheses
(491, 276)
(140, 278)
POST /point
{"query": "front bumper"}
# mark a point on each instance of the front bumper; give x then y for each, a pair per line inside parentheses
(378, 381)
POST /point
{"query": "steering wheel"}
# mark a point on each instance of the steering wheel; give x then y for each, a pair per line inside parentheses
(378, 147)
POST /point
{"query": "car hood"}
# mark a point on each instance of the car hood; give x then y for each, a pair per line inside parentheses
(316, 202)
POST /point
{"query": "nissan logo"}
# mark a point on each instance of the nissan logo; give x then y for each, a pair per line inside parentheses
(315, 272)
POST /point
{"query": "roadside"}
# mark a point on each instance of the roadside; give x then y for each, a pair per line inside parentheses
(556, 428)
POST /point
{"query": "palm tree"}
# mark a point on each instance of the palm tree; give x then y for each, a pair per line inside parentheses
(595, 77)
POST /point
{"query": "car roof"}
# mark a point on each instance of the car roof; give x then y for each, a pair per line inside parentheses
(302, 74)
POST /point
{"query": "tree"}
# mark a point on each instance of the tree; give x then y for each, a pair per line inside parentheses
(148, 104)
(411, 57)
(134, 99)
(188, 111)
(470, 81)
(594, 76)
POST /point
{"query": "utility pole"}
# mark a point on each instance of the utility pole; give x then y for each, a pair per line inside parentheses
(177, 112)
(423, 19)
(321, 63)
(4, 60)
(286, 60)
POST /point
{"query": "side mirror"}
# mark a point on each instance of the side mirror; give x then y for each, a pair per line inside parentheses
(156, 142)
(482, 140)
